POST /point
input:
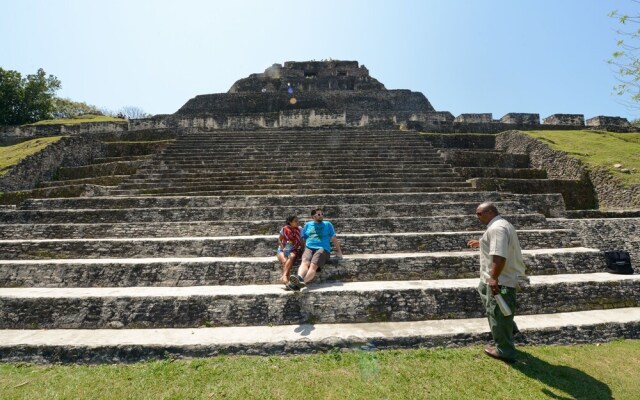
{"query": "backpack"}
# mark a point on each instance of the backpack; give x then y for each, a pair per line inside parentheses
(618, 262)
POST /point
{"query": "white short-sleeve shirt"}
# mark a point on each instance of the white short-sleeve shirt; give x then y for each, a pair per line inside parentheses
(501, 239)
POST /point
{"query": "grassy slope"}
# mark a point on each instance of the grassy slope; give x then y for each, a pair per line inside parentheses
(12, 155)
(79, 120)
(598, 149)
(585, 372)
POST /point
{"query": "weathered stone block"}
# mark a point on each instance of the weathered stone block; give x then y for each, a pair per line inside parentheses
(521, 119)
(602, 121)
(565, 119)
(484, 118)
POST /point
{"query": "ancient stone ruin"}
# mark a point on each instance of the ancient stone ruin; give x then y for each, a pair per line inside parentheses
(169, 250)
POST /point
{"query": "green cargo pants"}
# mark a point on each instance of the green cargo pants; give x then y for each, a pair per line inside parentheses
(502, 327)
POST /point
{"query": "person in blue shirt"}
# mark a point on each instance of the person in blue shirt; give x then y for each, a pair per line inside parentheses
(319, 236)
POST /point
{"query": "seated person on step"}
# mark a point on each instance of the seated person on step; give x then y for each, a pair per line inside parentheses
(290, 246)
(319, 236)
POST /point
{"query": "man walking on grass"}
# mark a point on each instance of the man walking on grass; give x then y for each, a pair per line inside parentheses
(319, 236)
(501, 265)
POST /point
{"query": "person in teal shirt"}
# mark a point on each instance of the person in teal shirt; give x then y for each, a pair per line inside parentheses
(319, 237)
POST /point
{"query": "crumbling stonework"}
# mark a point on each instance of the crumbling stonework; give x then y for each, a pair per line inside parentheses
(485, 118)
(40, 167)
(565, 119)
(309, 76)
(609, 234)
(609, 191)
(14, 134)
(521, 119)
(602, 121)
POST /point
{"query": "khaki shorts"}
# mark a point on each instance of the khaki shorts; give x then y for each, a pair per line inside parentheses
(316, 256)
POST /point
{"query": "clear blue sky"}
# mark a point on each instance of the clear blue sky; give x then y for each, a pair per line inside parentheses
(499, 56)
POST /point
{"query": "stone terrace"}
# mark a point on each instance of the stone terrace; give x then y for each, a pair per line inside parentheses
(179, 259)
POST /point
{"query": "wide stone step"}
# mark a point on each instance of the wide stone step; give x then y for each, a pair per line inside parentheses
(483, 158)
(278, 135)
(214, 154)
(94, 170)
(258, 227)
(187, 191)
(406, 171)
(319, 182)
(323, 186)
(518, 173)
(289, 147)
(202, 271)
(298, 137)
(298, 175)
(341, 302)
(287, 175)
(130, 345)
(262, 168)
(260, 213)
(112, 180)
(106, 160)
(343, 163)
(258, 201)
(263, 245)
(286, 151)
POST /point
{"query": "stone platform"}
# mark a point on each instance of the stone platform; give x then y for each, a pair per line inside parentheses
(179, 258)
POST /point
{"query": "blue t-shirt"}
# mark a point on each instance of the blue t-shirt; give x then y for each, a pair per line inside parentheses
(318, 235)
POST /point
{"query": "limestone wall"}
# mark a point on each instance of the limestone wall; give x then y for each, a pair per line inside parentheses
(609, 192)
(39, 167)
(14, 134)
(609, 234)
(565, 119)
(484, 118)
(521, 118)
(336, 101)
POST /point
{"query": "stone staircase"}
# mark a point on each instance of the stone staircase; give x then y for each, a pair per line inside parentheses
(179, 259)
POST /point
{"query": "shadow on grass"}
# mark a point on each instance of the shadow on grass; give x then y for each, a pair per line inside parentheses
(572, 382)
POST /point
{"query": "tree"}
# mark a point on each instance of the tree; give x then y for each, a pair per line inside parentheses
(24, 100)
(626, 58)
(132, 112)
(67, 108)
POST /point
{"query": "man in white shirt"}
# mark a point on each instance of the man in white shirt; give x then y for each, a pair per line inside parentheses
(501, 265)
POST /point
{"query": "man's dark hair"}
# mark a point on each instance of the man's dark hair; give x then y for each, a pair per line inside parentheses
(489, 206)
(315, 210)
(290, 219)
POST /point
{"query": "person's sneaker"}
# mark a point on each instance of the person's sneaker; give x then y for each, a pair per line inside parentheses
(290, 286)
(297, 280)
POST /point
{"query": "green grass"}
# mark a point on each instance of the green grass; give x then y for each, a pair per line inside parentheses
(80, 120)
(12, 155)
(598, 149)
(584, 372)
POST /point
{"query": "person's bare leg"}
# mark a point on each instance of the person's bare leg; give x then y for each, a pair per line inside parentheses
(287, 268)
(304, 267)
(283, 263)
(310, 274)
